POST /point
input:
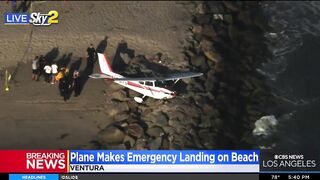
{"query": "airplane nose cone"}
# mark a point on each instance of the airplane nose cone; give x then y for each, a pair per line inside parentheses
(173, 94)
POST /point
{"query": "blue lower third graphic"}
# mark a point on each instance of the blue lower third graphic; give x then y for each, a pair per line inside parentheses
(33, 177)
(16, 18)
(164, 157)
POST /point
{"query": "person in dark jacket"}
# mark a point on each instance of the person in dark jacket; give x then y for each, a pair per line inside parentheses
(91, 55)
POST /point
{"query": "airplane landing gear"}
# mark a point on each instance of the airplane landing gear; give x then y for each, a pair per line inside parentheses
(138, 99)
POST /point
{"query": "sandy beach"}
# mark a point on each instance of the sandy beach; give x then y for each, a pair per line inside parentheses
(33, 115)
(147, 27)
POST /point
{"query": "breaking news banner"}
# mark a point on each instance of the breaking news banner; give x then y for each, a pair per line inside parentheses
(106, 161)
(89, 161)
(86, 164)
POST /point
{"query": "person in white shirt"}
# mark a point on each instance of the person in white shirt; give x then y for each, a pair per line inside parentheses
(35, 69)
(54, 71)
(47, 70)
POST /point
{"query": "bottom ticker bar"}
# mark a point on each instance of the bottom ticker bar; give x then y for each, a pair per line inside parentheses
(140, 176)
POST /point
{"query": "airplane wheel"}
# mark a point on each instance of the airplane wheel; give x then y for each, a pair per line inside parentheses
(138, 100)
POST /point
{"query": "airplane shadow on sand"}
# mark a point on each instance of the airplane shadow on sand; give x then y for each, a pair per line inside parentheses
(119, 66)
(118, 63)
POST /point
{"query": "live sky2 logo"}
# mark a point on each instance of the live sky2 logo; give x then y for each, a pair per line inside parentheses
(35, 18)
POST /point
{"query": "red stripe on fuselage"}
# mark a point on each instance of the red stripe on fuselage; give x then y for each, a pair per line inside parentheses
(142, 87)
(135, 84)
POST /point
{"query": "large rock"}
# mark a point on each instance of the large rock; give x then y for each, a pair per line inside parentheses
(169, 130)
(207, 138)
(178, 114)
(116, 147)
(120, 117)
(208, 30)
(135, 130)
(212, 55)
(198, 61)
(158, 118)
(205, 122)
(155, 131)
(141, 144)
(120, 106)
(117, 111)
(155, 144)
(111, 135)
(119, 95)
(176, 124)
(129, 142)
(206, 44)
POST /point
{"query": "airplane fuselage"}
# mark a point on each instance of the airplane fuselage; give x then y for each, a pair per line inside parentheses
(147, 90)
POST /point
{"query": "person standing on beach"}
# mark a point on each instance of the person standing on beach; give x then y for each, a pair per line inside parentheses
(63, 87)
(47, 71)
(35, 69)
(54, 70)
(91, 55)
(76, 83)
(42, 63)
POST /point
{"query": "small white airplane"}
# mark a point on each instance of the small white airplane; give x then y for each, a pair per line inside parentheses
(154, 87)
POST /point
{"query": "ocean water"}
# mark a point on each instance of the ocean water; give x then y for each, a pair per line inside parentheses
(294, 75)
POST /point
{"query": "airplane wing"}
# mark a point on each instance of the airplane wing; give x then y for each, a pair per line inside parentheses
(99, 76)
(167, 78)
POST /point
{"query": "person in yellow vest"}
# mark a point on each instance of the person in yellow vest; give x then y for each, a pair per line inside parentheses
(62, 73)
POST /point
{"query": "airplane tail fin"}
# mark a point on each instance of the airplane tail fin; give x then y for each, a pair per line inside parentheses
(104, 63)
(105, 68)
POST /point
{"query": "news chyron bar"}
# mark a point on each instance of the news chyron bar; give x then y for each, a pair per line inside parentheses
(143, 164)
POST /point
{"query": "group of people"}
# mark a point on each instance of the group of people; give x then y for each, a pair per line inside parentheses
(52, 75)
(68, 82)
(40, 67)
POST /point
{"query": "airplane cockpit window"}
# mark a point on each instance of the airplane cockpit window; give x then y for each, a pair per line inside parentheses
(149, 83)
(141, 82)
(160, 83)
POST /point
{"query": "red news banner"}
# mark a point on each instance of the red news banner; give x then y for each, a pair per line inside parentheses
(33, 161)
